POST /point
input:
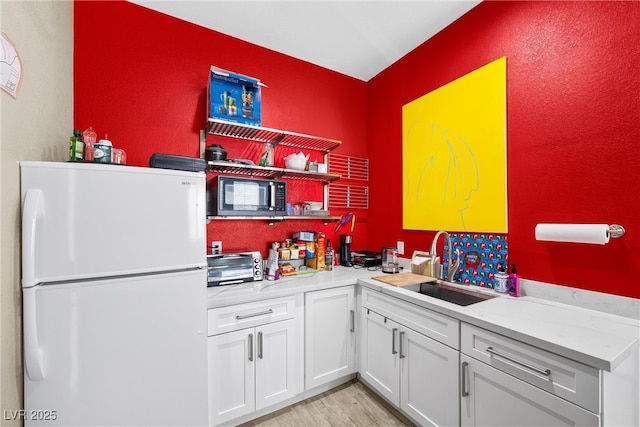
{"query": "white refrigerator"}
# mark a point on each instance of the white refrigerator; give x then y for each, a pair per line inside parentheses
(114, 295)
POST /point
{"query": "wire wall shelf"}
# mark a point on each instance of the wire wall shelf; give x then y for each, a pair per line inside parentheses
(355, 168)
(348, 196)
(254, 171)
(276, 219)
(274, 136)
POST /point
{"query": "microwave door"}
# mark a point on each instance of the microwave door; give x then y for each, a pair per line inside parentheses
(242, 196)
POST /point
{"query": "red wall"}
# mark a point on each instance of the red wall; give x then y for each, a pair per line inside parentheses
(141, 76)
(573, 119)
(572, 114)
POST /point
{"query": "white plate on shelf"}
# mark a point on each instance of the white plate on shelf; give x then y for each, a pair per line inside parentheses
(313, 206)
(317, 213)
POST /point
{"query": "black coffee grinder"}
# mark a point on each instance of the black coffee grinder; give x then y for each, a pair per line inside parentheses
(345, 250)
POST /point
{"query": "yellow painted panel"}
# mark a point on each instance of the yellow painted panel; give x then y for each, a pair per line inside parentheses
(454, 155)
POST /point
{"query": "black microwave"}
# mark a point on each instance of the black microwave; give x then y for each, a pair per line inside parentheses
(231, 196)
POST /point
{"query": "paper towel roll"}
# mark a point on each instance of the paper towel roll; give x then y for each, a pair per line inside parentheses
(576, 233)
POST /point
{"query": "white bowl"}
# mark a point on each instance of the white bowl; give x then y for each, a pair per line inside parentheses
(295, 163)
(313, 206)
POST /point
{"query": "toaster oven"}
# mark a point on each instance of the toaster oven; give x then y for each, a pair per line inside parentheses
(233, 268)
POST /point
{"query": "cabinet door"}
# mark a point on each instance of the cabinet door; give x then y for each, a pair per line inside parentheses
(231, 375)
(379, 362)
(277, 359)
(329, 335)
(429, 379)
(493, 398)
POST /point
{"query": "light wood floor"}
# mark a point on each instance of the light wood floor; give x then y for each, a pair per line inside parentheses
(351, 404)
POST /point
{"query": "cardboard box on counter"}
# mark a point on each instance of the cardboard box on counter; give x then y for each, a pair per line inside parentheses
(234, 97)
(317, 263)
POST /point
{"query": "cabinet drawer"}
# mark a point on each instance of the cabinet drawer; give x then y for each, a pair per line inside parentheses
(556, 374)
(235, 317)
(437, 326)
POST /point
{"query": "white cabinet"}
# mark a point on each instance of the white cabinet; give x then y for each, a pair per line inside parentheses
(506, 382)
(277, 362)
(416, 373)
(255, 367)
(491, 397)
(379, 361)
(429, 384)
(434, 325)
(568, 379)
(231, 376)
(330, 335)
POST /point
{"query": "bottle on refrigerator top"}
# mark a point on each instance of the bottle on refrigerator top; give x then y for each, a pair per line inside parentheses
(119, 156)
(513, 282)
(76, 146)
(89, 137)
(102, 150)
(501, 280)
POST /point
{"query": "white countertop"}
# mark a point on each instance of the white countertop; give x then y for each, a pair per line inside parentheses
(220, 296)
(591, 337)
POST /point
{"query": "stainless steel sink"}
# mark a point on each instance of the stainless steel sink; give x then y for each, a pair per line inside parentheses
(453, 294)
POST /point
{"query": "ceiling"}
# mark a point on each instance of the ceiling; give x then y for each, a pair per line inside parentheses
(359, 38)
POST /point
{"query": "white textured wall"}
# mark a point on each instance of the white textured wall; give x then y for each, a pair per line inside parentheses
(35, 126)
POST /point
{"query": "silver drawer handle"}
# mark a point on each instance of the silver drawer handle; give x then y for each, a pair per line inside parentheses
(246, 316)
(465, 368)
(353, 320)
(402, 356)
(545, 372)
(393, 341)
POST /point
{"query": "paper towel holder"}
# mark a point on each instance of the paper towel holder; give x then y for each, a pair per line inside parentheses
(579, 233)
(616, 231)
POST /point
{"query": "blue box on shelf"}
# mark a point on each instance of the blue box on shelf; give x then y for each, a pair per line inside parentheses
(234, 97)
(305, 236)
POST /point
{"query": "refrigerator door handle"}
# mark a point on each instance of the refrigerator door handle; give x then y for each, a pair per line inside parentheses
(32, 352)
(32, 211)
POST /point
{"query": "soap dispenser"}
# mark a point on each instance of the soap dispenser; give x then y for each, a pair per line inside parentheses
(513, 282)
(501, 279)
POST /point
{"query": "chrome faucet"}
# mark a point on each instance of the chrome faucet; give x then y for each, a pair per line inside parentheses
(451, 267)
